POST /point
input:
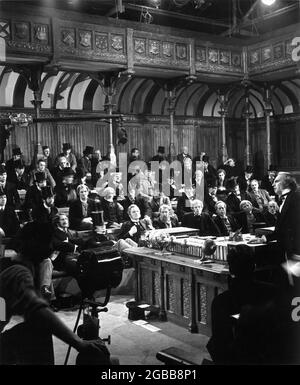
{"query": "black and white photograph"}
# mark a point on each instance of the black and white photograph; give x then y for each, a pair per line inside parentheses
(149, 186)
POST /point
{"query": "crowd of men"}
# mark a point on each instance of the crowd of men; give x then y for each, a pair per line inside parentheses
(95, 196)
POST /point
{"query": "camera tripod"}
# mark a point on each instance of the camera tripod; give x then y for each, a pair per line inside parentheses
(89, 330)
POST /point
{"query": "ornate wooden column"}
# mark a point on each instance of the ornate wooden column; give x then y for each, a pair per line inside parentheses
(171, 97)
(33, 74)
(268, 110)
(223, 112)
(247, 115)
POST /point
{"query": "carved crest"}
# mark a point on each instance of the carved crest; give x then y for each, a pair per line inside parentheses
(167, 49)
(41, 33)
(181, 51)
(101, 42)
(22, 31)
(117, 42)
(201, 54)
(140, 46)
(213, 56)
(68, 37)
(154, 47)
(85, 39)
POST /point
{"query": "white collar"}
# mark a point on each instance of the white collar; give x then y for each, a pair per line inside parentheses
(285, 191)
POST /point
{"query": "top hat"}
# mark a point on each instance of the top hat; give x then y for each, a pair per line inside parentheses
(249, 169)
(67, 146)
(68, 171)
(89, 150)
(40, 176)
(231, 183)
(272, 167)
(47, 192)
(2, 169)
(205, 158)
(161, 149)
(16, 151)
(44, 147)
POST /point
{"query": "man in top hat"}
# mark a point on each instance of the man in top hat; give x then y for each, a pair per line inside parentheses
(46, 212)
(160, 156)
(16, 155)
(210, 196)
(244, 180)
(71, 158)
(209, 171)
(268, 180)
(33, 197)
(9, 188)
(19, 177)
(84, 165)
(65, 191)
(57, 172)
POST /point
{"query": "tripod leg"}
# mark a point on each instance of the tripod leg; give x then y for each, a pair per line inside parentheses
(74, 331)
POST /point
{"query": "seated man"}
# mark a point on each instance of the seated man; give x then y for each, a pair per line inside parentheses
(184, 204)
(33, 197)
(225, 223)
(248, 217)
(199, 220)
(46, 212)
(30, 342)
(166, 219)
(210, 196)
(80, 213)
(258, 196)
(271, 214)
(235, 196)
(65, 191)
(13, 198)
(113, 210)
(135, 227)
(41, 167)
(19, 177)
(67, 242)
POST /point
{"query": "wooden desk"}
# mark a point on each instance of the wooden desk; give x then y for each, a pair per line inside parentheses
(181, 288)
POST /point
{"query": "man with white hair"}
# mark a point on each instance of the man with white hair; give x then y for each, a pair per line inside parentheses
(199, 220)
(165, 219)
(113, 210)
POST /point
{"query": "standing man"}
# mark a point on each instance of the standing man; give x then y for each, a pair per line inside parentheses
(183, 155)
(287, 228)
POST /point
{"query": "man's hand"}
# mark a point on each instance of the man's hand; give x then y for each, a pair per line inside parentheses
(93, 352)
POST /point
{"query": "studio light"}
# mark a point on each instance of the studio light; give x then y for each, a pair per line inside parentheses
(268, 2)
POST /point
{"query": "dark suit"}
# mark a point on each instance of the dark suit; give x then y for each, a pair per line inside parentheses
(112, 212)
(261, 200)
(42, 215)
(9, 221)
(202, 222)
(181, 157)
(270, 219)
(233, 202)
(65, 195)
(33, 198)
(158, 224)
(183, 206)
(12, 195)
(241, 217)
(220, 222)
(76, 214)
(21, 183)
(141, 202)
(126, 226)
(287, 228)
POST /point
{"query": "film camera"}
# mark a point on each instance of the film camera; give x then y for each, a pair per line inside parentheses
(99, 268)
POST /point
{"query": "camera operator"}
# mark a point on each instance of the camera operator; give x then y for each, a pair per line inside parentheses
(30, 342)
